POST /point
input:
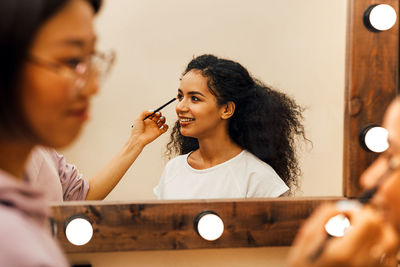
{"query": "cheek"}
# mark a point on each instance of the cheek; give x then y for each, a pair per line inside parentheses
(389, 193)
(44, 99)
(43, 90)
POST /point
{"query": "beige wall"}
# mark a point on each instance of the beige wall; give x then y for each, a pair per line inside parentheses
(295, 46)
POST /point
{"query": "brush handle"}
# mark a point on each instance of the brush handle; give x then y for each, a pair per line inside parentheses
(160, 108)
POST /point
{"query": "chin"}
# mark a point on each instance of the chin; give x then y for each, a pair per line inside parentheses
(62, 139)
(184, 133)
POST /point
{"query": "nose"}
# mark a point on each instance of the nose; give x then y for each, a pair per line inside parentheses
(92, 85)
(370, 176)
(181, 106)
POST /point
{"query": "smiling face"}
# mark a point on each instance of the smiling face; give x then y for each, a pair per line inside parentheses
(53, 107)
(197, 109)
(387, 198)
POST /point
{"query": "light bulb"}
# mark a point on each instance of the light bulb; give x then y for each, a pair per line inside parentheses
(376, 139)
(209, 225)
(79, 231)
(381, 17)
(337, 225)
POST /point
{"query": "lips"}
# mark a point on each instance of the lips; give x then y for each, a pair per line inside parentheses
(185, 120)
(80, 113)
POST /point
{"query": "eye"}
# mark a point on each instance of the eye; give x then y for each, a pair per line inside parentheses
(179, 97)
(73, 62)
(195, 98)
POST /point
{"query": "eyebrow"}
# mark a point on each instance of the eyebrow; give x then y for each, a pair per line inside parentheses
(76, 42)
(191, 92)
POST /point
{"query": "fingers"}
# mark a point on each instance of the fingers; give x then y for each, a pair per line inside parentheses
(160, 122)
(315, 224)
(355, 245)
(310, 236)
(156, 117)
(145, 114)
(152, 119)
(384, 251)
(164, 128)
(369, 242)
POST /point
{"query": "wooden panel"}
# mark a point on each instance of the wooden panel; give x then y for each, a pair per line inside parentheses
(169, 225)
(371, 83)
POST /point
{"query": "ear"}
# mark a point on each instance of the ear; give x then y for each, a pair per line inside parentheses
(227, 110)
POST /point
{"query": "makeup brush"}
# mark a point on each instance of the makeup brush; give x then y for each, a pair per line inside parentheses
(160, 108)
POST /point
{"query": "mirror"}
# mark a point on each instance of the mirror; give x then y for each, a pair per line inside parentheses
(293, 46)
(372, 69)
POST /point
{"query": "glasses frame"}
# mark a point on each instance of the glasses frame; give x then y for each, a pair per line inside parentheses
(99, 62)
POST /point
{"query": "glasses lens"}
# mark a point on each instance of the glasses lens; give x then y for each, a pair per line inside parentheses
(101, 64)
(98, 64)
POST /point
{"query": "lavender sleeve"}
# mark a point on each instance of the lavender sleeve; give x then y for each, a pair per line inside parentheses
(74, 186)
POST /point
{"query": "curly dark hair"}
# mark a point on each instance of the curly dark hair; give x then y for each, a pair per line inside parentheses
(266, 122)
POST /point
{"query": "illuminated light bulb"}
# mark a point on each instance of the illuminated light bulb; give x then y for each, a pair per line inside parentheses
(79, 230)
(337, 225)
(380, 17)
(376, 139)
(209, 225)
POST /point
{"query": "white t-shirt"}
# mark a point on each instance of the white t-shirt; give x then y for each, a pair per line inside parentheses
(244, 176)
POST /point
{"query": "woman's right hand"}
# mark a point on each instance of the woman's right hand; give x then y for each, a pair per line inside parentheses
(146, 131)
(370, 241)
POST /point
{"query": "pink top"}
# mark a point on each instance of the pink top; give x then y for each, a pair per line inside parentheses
(24, 227)
(62, 181)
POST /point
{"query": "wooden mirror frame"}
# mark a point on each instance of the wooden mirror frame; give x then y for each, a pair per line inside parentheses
(372, 73)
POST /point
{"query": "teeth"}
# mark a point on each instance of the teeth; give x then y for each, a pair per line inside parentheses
(186, 119)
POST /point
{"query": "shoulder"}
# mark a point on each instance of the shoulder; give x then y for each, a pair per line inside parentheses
(25, 242)
(177, 161)
(263, 180)
(174, 167)
(255, 163)
(17, 235)
(43, 151)
(43, 155)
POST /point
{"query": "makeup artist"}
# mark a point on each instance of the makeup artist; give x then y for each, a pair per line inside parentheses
(373, 239)
(49, 72)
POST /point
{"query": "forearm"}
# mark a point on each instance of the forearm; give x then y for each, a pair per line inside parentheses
(101, 184)
(143, 132)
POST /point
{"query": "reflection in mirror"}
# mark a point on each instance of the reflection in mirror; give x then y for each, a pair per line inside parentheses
(234, 138)
(288, 45)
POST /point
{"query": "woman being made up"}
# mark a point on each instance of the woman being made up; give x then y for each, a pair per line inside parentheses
(234, 136)
(49, 71)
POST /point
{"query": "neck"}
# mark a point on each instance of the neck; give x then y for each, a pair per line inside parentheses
(13, 155)
(217, 149)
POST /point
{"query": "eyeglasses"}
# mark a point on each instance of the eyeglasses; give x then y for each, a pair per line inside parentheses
(79, 71)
